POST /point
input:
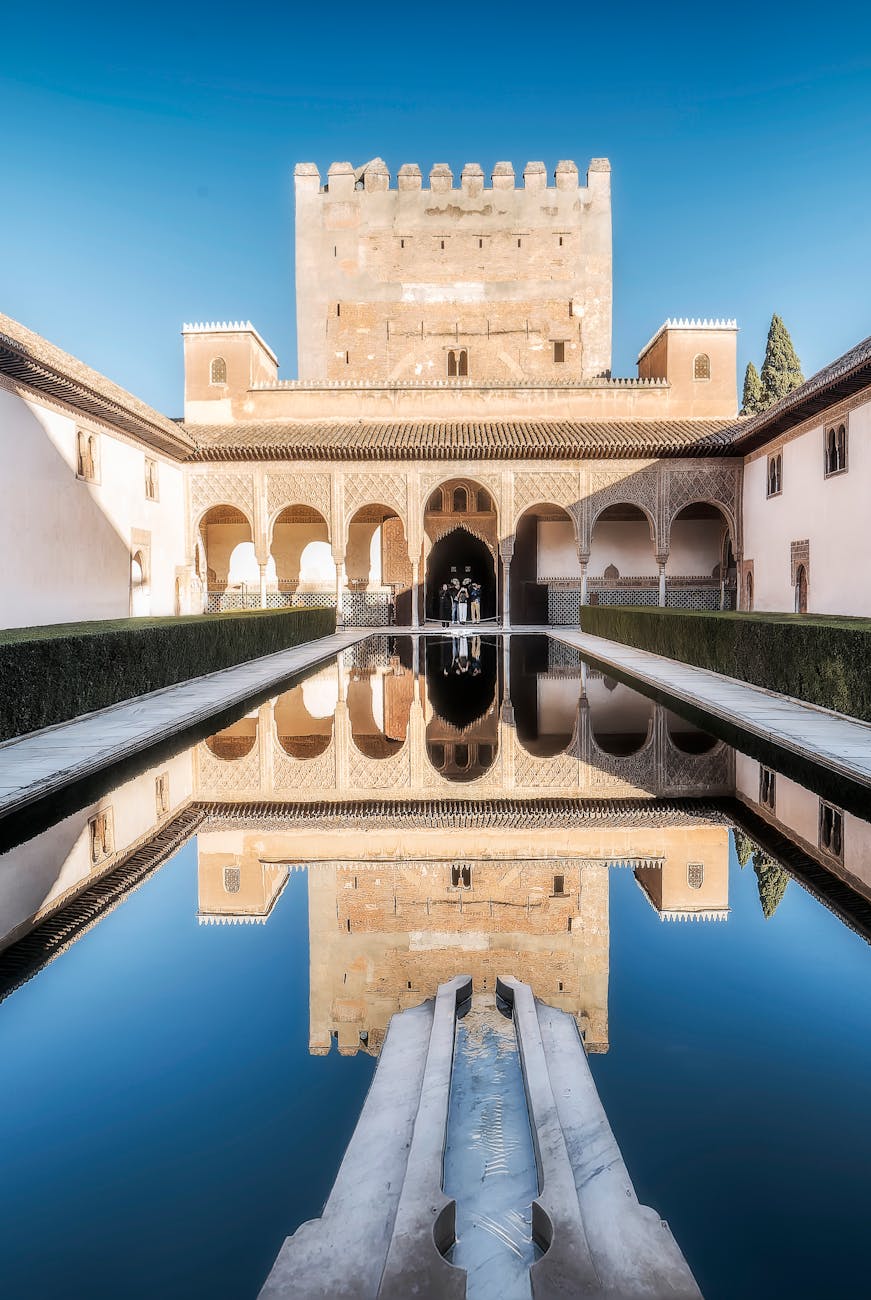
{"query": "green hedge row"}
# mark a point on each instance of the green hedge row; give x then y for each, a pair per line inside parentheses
(825, 661)
(50, 674)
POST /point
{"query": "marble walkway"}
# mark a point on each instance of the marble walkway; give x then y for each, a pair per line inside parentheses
(838, 742)
(44, 762)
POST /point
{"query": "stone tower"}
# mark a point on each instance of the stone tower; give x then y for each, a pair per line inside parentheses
(485, 283)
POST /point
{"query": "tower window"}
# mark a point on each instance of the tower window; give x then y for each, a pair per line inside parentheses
(518, 243)
(702, 366)
(559, 351)
(836, 449)
(559, 886)
(218, 371)
(775, 475)
(338, 309)
(458, 364)
(480, 243)
(442, 243)
(402, 243)
(560, 241)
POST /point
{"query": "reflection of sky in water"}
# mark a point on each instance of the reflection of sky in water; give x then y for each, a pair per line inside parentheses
(164, 1126)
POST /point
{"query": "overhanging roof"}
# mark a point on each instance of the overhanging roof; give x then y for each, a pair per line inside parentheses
(367, 440)
(31, 360)
(842, 379)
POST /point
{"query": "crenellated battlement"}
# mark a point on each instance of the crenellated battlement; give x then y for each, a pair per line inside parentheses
(424, 276)
(343, 178)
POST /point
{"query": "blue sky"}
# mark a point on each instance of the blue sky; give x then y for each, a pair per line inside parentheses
(146, 166)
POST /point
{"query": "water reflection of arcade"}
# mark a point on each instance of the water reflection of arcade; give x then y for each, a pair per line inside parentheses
(462, 686)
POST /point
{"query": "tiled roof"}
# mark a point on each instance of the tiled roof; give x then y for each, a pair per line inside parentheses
(449, 440)
(847, 375)
(32, 360)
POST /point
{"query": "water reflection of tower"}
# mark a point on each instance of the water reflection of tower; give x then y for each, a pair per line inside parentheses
(462, 696)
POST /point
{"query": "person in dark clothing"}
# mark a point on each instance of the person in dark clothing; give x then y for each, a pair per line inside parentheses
(446, 605)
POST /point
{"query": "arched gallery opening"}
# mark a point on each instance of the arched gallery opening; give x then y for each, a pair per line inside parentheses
(462, 735)
(302, 553)
(622, 568)
(235, 741)
(545, 704)
(461, 540)
(620, 718)
(377, 568)
(701, 571)
(687, 737)
(224, 532)
(304, 716)
(545, 573)
(379, 707)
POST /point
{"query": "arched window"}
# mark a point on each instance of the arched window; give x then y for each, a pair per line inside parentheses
(218, 371)
(836, 449)
(702, 366)
(748, 591)
(461, 501)
(801, 590)
(775, 475)
(612, 573)
(463, 364)
(452, 365)
(695, 874)
(831, 830)
(484, 503)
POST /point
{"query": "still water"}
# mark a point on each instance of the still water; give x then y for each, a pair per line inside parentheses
(180, 1083)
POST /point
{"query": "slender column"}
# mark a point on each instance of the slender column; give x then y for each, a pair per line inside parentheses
(415, 595)
(662, 584)
(262, 586)
(583, 582)
(340, 591)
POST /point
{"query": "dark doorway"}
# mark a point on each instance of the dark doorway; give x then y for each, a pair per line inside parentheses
(459, 554)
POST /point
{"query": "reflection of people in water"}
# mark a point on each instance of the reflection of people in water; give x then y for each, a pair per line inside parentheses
(460, 663)
(475, 661)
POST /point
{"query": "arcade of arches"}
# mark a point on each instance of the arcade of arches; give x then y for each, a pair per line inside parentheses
(378, 566)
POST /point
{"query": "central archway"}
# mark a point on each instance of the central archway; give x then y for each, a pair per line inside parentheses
(459, 554)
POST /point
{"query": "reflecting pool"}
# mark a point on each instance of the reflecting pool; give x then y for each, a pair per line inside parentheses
(201, 964)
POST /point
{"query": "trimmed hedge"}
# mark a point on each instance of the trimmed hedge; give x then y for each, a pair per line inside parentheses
(51, 674)
(825, 661)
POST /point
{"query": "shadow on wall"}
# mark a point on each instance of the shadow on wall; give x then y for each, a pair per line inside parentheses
(63, 558)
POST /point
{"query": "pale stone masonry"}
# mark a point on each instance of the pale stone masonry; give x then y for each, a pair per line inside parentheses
(439, 280)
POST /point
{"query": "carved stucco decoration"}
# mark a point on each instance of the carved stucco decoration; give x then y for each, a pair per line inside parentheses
(629, 485)
(219, 488)
(318, 773)
(689, 773)
(298, 490)
(533, 772)
(436, 529)
(218, 776)
(363, 489)
(393, 772)
(554, 488)
(717, 485)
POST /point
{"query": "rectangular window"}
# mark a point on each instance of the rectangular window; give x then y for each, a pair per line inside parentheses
(831, 830)
(559, 885)
(559, 351)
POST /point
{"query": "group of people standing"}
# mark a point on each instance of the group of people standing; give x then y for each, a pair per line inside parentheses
(460, 602)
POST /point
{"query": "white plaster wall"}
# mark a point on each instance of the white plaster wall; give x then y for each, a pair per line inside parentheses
(625, 543)
(695, 548)
(38, 872)
(798, 809)
(830, 513)
(557, 549)
(65, 544)
(557, 704)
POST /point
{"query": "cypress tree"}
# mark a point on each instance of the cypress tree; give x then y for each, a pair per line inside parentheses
(751, 403)
(771, 881)
(743, 847)
(781, 369)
